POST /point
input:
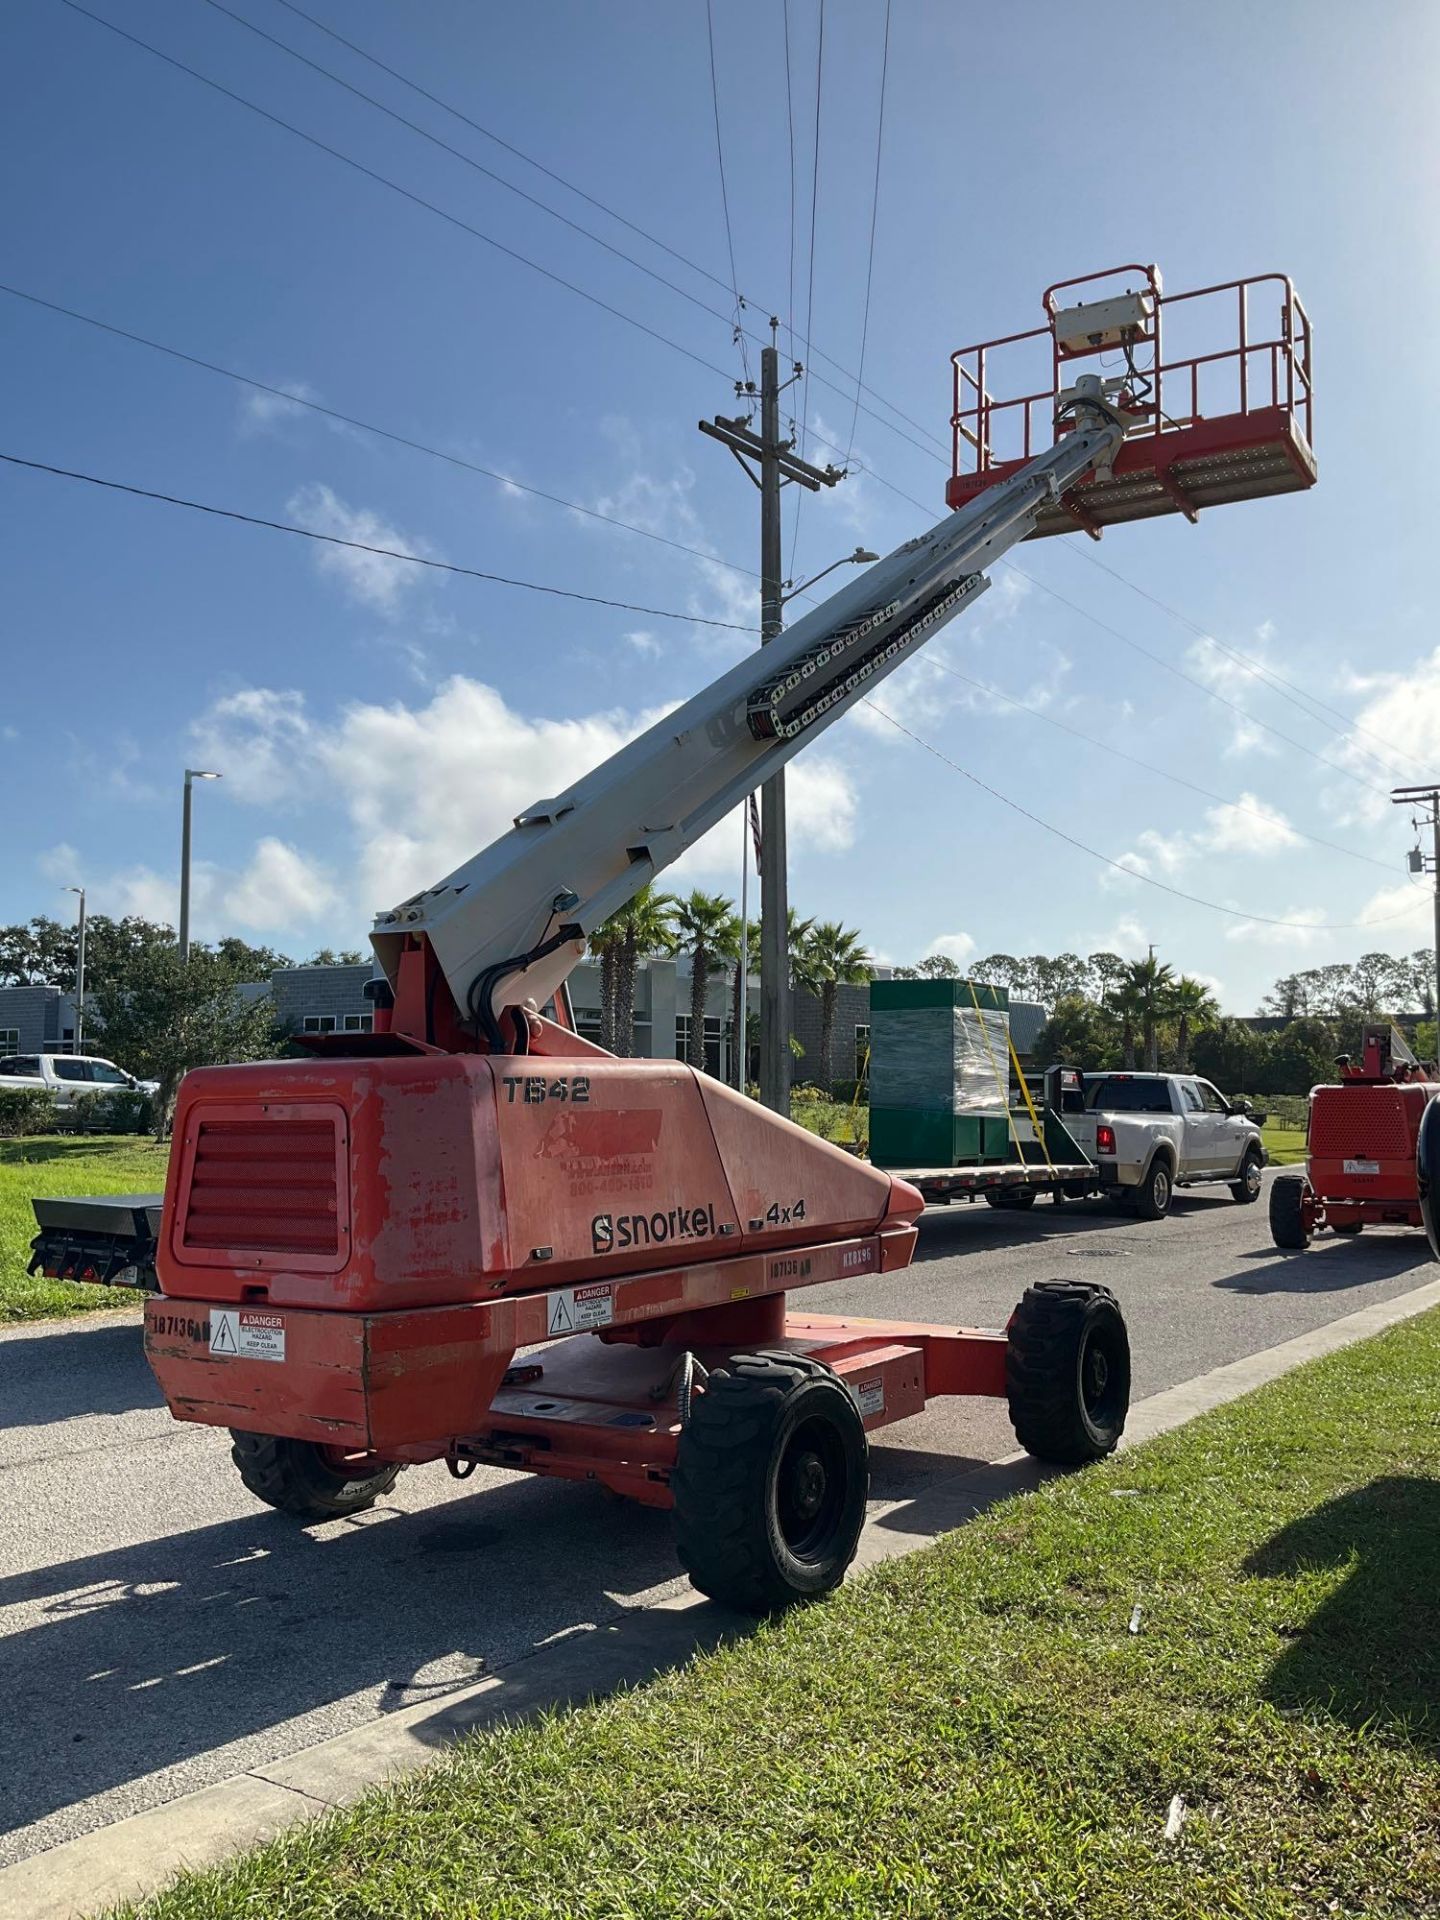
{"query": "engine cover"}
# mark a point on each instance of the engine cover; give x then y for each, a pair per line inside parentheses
(375, 1183)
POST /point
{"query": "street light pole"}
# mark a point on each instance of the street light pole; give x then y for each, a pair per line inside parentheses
(80, 974)
(191, 775)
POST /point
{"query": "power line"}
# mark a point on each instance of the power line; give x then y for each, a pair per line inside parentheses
(874, 215)
(602, 206)
(1251, 665)
(369, 426)
(1194, 899)
(1158, 660)
(1165, 773)
(405, 193)
(738, 332)
(790, 129)
(810, 291)
(362, 546)
(724, 191)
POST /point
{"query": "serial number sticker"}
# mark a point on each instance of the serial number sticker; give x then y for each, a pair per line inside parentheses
(870, 1397)
(1362, 1166)
(575, 1309)
(247, 1333)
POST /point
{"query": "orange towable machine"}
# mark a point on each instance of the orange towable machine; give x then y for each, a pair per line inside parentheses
(1362, 1139)
(472, 1236)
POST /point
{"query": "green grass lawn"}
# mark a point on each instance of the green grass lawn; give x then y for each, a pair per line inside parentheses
(975, 1731)
(54, 1166)
(1285, 1145)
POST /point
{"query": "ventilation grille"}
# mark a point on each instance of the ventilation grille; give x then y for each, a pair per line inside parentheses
(266, 1185)
(1360, 1123)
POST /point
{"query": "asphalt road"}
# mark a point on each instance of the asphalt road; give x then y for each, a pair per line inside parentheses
(159, 1630)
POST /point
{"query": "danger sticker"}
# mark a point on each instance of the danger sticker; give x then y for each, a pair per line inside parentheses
(247, 1333)
(870, 1397)
(576, 1309)
(1362, 1166)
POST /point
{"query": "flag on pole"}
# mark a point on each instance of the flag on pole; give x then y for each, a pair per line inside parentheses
(755, 828)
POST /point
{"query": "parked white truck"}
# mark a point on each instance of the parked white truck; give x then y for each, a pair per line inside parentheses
(1149, 1133)
(68, 1076)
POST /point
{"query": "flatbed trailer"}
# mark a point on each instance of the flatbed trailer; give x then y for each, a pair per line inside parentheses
(1012, 1184)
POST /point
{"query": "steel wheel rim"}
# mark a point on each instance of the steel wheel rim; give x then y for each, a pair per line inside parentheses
(810, 1486)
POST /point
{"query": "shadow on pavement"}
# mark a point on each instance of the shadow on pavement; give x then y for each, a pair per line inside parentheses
(149, 1655)
(46, 1378)
(1329, 1268)
(1370, 1654)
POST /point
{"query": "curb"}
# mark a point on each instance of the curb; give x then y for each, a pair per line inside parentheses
(137, 1856)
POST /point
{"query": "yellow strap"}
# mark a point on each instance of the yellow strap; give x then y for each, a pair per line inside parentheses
(995, 1068)
(863, 1081)
(1024, 1088)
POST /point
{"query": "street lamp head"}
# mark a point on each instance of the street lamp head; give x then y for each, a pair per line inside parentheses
(79, 890)
(199, 773)
(862, 557)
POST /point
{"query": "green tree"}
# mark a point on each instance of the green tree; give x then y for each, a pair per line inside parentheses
(1301, 1055)
(1235, 1057)
(1078, 1034)
(1422, 979)
(1150, 980)
(835, 957)
(705, 926)
(644, 925)
(606, 942)
(1105, 971)
(167, 1016)
(1191, 1005)
(937, 966)
(322, 956)
(258, 963)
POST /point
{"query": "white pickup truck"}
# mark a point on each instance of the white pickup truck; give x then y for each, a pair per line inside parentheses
(1149, 1133)
(68, 1076)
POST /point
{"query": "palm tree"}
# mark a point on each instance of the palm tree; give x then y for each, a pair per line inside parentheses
(1127, 1004)
(606, 941)
(834, 957)
(1191, 1003)
(641, 928)
(705, 923)
(1150, 980)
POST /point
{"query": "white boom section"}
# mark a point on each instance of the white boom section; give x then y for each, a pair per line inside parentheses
(568, 863)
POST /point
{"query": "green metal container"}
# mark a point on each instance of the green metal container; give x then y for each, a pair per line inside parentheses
(939, 1074)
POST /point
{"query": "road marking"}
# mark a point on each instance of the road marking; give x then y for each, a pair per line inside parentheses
(134, 1857)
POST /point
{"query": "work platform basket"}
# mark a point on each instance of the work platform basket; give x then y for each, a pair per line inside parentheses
(1220, 378)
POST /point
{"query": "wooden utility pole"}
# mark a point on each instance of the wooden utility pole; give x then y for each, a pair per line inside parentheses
(772, 464)
(1415, 798)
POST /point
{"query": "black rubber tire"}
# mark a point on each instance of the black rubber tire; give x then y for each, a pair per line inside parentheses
(1151, 1199)
(1287, 1212)
(1011, 1199)
(771, 1437)
(295, 1477)
(1247, 1188)
(1349, 1229)
(1067, 1371)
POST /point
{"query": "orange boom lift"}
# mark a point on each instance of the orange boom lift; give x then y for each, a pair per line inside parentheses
(471, 1236)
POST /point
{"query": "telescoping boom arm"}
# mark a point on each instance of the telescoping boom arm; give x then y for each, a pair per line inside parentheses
(507, 927)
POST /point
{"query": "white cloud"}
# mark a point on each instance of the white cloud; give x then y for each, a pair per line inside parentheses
(645, 644)
(953, 946)
(371, 579)
(260, 740)
(280, 889)
(1128, 937)
(1238, 681)
(1296, 930)
(1247, 825)
(1402, 911)
(265, 412)
(1400, 723)
(59, 863)
(424, 786)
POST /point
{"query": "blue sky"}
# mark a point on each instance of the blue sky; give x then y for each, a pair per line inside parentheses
(376, 723)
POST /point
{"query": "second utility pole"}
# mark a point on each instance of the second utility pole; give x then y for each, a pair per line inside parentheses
(778, 464)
